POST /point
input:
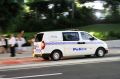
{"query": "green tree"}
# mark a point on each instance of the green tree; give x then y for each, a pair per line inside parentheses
(42, 15)
(114, 12)
(8, 10)
(114, 16)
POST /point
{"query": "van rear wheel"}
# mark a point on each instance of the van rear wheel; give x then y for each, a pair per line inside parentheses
(56, 55)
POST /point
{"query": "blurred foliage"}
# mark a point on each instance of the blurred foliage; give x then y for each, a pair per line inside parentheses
(8, 10)
(34, 15)
(107, 35)
(104, 31)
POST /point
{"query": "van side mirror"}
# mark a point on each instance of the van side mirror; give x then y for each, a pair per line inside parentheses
(92, 38)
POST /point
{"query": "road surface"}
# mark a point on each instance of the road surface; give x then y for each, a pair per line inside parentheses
(75, 68)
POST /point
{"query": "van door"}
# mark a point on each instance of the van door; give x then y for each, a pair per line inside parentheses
(38, 44)
(90, 43)
(72, 44)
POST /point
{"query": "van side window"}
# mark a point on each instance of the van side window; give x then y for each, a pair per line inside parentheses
(38, 38)
(70, 36)
(85, 36)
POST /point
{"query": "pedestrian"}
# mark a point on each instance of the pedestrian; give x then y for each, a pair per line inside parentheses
(20, 41)
(12, 42)
(22, 33)
(5, 41)
(31, 41)
(3, 44)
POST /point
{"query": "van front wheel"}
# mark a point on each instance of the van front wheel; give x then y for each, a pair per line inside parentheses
(56, 55)
(100, 52)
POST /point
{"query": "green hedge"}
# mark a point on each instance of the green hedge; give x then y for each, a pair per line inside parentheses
(106, 35)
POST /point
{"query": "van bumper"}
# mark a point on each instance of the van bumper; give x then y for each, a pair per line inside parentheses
(41, 55)
(37, 55)
(106, 51)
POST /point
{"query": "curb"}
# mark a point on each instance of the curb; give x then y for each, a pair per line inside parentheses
(18, 61)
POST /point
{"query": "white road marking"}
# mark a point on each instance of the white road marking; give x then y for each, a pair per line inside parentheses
(44, 75)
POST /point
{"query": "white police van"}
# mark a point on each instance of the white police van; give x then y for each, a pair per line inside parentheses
(55, 45)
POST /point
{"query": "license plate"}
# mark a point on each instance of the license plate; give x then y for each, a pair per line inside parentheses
(37, 50)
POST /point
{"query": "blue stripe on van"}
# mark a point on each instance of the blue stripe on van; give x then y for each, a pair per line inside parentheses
(63, 43)
(59, 43)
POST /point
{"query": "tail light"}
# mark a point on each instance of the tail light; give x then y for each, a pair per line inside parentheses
(42, 45)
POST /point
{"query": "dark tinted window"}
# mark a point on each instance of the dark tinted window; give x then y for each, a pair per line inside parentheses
(39, 37)
(70, 36)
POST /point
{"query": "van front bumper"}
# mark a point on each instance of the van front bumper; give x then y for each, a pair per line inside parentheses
(106, 51)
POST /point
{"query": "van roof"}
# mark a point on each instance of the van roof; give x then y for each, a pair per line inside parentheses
(59, 31)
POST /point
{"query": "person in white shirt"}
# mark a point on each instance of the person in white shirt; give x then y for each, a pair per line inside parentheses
(12, 42)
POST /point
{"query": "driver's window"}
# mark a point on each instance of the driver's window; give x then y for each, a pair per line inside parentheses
(85, 36)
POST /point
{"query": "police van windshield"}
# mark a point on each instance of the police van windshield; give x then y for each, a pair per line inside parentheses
(39, 37)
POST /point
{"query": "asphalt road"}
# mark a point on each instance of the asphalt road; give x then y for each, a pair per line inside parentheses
(108, 70)
(83, 68)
